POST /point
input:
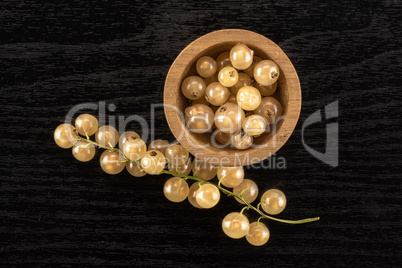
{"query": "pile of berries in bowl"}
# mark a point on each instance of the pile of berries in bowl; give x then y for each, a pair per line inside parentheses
(232, 93)
(232, 97)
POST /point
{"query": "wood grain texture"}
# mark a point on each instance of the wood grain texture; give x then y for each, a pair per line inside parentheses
(200, 145)
(55, 210)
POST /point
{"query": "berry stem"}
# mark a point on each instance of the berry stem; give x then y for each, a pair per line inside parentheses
(258, 221)
(201, 181)
(248, 205)
(111, 148)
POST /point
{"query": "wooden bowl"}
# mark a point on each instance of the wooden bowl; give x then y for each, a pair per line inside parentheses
(288, 94)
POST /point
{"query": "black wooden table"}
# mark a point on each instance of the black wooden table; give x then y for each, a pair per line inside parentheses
(56, 210)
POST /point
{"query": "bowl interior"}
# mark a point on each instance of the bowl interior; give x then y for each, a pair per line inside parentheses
(280, 94)
(200, 144)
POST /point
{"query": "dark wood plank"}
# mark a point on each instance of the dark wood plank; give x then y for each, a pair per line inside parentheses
(55, 210)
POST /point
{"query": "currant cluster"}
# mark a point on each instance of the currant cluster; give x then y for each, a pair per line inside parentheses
(233, 94)
(140, 159)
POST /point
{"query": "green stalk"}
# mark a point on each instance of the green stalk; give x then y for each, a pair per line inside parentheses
(223, 190)
(229, 193)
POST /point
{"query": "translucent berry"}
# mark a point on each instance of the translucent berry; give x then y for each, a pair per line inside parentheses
(207, 196)
(128, 135)
(206, 66)
(223, 60)
(270, 108)
(135, 170)
(176, 154)
(258, 234)
(241, 56)
(221, 137)
(266, 72)
(249, 189)
(204, 170)
(248, 98)
(112, 162)
(193, 87)
(254, 125)
(159, 145)
(228, 76)
(191, 194)
(232, 98)
(176, 189)
(107, 136)
(153, 162)
(199, 118)
(230, 176)
(65, 136)
(83, 151)
(134, 149)
(86, 124)
(216, 94)
(235, 225)
(244, 81)
(229, 118)
(266, 90)
(241, 140)
(273, 201)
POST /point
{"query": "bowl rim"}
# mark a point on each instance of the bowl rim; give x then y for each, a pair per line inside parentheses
(205, 42)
